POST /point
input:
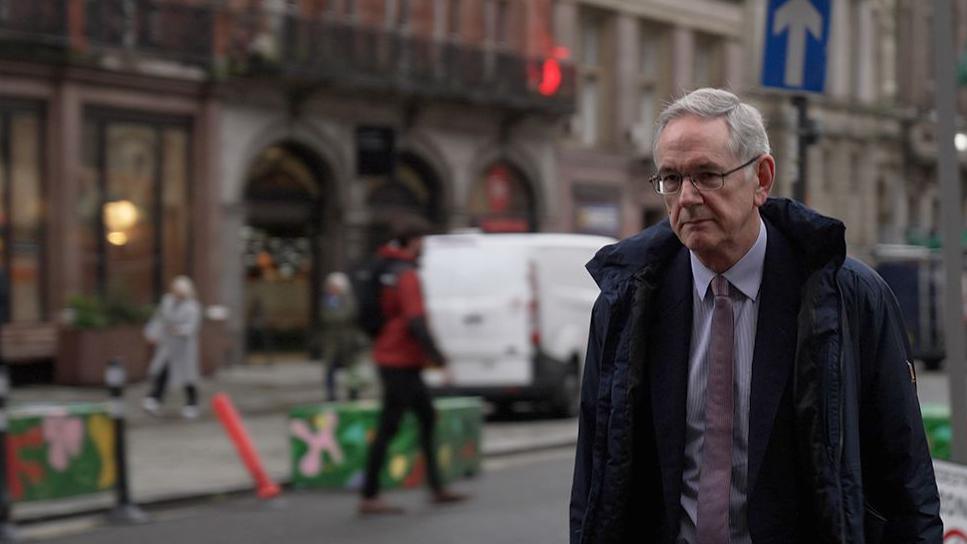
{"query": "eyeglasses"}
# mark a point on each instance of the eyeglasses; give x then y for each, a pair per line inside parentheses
(671, 182)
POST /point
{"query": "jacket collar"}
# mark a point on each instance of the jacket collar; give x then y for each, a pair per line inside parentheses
(816, 238)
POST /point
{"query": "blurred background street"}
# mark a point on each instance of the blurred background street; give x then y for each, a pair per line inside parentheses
(522, 499)
(186, 472)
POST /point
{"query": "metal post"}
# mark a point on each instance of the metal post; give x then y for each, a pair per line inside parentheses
(948, 175)
(125, 510)
(806, 136)
(7, 531)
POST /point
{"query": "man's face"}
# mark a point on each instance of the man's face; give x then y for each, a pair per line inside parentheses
(720, 225)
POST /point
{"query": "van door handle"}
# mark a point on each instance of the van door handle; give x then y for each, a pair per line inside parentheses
(472, 319)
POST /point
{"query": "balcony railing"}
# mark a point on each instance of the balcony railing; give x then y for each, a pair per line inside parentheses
(285, 47)
(34, 22)
(153, 28)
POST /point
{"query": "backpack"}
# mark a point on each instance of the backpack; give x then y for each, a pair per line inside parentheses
(368, 282)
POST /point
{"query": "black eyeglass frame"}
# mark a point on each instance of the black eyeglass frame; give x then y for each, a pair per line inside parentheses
(654, 180)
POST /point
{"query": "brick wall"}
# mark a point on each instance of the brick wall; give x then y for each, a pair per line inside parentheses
(422, 17)
(371, 12)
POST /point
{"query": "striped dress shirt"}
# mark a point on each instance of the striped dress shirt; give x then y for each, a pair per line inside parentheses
(745, 277)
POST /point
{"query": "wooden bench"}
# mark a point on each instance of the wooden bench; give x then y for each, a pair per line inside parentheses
(26, 342)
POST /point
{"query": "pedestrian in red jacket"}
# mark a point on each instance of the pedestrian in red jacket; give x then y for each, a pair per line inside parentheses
(403, 347)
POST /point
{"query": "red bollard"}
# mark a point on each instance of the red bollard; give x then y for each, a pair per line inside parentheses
(222, 405)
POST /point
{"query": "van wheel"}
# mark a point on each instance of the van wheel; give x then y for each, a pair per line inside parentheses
(568, 396)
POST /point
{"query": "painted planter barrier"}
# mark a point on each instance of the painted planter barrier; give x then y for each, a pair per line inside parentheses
(59, 451)
(951, 477)
(936, 422)
(329, 443)
(952, 483)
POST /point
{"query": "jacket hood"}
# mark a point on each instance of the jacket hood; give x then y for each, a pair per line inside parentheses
(819, 239)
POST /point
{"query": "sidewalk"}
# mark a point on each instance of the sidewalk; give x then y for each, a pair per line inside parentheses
(171, 459)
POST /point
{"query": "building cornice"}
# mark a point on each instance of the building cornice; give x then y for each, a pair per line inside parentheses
(701, 15)
(103, 77)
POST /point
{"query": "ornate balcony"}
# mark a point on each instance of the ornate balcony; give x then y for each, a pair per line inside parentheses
(85, 30)
(220, 44)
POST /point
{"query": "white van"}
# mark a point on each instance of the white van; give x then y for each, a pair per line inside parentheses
(511, 313)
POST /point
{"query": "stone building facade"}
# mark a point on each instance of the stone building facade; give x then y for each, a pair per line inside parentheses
(630, 59)
(257, 145)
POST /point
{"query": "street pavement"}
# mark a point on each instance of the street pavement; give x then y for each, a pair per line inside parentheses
(172, 459)
(520, 498)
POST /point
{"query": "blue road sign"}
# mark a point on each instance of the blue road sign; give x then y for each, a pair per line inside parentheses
(797, 32)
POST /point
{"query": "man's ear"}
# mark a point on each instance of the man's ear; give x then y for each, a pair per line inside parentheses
(765, 177)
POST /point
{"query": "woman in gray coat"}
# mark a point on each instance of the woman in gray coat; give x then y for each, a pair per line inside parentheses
(174, 327)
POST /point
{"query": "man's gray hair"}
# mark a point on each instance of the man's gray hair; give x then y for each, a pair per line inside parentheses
(747, 132)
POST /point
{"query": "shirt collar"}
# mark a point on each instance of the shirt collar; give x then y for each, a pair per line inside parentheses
(745, 275)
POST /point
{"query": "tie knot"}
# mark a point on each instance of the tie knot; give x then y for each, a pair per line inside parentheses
(720, 286)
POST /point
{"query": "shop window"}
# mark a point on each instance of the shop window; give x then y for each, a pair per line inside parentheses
(21, 214)
(413, 190)
(502, 201)
(283, 256)
(134, 203)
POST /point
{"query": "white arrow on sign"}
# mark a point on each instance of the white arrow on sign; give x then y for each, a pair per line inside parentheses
(798, 16)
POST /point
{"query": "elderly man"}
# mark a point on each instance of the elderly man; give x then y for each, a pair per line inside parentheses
(745, 380)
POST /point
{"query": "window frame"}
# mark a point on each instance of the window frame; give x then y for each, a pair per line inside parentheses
(102, 117)
(9, 107)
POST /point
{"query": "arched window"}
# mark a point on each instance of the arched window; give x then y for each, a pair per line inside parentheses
(413, 189)
(502, 200)
(284, 248)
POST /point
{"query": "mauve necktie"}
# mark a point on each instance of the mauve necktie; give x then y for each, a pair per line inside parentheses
(715, 482)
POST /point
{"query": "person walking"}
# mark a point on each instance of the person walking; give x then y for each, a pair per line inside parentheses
(401, 350)
(745, 380)
(174, 328)
(339, 335)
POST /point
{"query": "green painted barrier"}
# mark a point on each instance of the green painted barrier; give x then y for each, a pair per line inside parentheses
(329, 443)
(59, 451)
(936, 422)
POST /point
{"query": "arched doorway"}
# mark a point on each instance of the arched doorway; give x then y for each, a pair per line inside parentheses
(414, 189)
(502, 200)
(285, 200)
